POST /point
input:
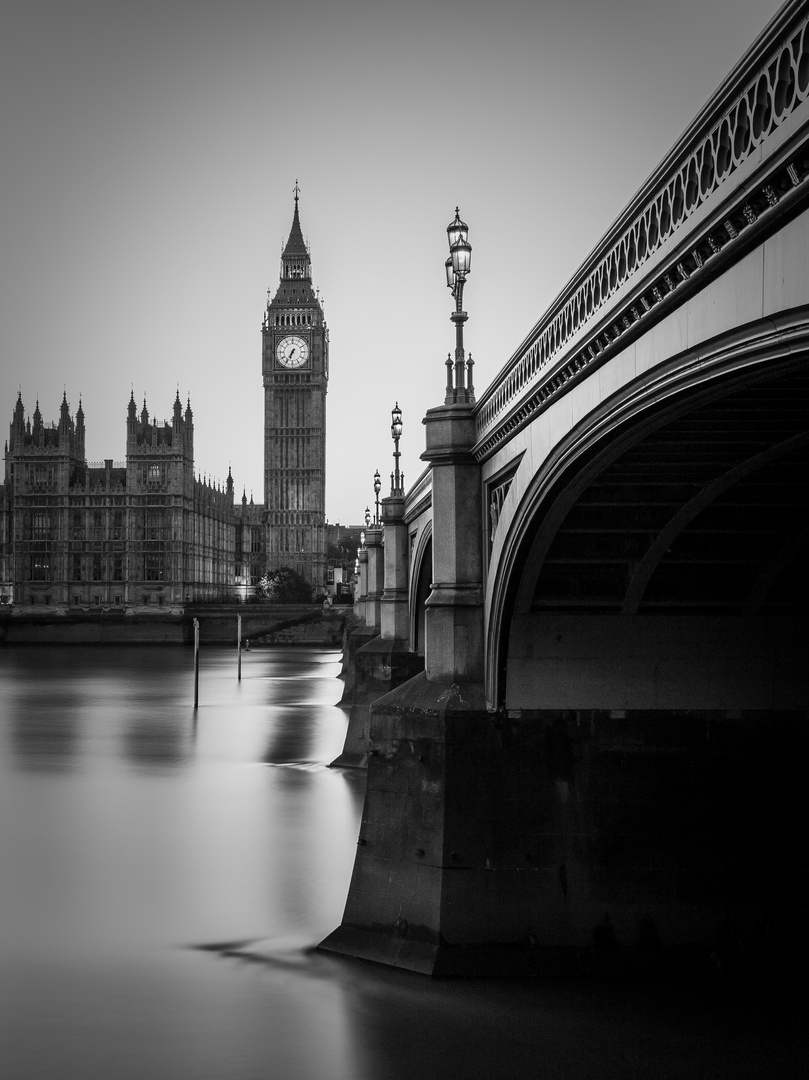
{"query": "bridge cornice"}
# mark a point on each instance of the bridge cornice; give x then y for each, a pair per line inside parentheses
(419, 497)
(737, 172)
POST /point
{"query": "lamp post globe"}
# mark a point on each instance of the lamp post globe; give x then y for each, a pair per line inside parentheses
(461, 257)
(377, 489)
(396, 421)
(396, 434)
(457, 229)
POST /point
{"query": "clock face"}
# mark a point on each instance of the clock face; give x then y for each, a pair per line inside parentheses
(292, 352)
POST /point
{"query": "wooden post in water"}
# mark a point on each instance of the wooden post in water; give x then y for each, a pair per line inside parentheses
(196, 663)
(239, 643)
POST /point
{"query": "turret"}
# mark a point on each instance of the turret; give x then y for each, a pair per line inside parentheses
(188, 433)
(65, 423)
(17, 433)
(80, 431)
(37, 431)
(177, 415)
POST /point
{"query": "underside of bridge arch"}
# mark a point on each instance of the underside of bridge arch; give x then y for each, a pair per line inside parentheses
(423, 577)
(692, 529)
(654, 689)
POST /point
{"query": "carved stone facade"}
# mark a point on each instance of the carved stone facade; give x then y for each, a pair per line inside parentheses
(140, 532)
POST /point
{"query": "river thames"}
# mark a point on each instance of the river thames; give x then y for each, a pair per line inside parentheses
(165, 873)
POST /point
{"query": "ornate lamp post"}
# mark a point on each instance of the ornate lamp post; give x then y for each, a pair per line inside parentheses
(377, 489)
(459, 389)
(367, 517)
(396, 478)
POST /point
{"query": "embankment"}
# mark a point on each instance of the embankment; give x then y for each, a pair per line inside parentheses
(268, 624)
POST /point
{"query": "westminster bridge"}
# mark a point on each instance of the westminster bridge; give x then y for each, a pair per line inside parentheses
(578, 675)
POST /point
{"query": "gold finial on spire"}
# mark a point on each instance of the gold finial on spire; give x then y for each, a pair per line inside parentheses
(296, 190)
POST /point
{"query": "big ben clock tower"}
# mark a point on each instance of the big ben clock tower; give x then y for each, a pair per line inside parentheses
(295, 364)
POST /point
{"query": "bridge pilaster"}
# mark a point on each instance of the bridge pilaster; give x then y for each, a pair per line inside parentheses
(361, 593)
(394, 613)
(375, 578)
(454, 609)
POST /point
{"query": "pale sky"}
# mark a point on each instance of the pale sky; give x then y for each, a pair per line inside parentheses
(148, 154)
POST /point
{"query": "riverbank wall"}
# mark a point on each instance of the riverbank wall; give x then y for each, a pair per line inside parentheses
(262, 624)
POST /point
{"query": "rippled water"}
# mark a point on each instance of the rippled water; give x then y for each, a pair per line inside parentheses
(164, 874)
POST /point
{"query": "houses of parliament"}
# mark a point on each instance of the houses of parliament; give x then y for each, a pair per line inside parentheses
(146, 530)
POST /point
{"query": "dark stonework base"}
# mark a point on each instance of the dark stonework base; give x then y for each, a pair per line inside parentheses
(355, 635)
(377, 666)
(578, 841)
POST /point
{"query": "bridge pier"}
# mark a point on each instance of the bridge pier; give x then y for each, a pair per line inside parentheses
(380, 654)
(366, 628)
(415, 894)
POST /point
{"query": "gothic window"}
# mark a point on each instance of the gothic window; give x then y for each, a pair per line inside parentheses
(75, 568)
(97, 572)
(154, 476)
(42, 478)
(154, 567)
(77, 525)
(118, 568)
(117, 525)
(98, 525)
(40, 567)
(40, 525)
(154, 525)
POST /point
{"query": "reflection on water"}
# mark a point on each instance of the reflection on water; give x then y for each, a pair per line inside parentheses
(165, 874)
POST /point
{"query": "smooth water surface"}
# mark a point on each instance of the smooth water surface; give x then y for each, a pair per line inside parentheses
(165, 872)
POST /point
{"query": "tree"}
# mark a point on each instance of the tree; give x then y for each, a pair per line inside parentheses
(284, 586)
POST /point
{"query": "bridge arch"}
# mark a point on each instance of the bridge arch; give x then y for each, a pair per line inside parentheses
(654, 423)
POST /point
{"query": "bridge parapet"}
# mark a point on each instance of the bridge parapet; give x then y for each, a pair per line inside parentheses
(740, 167)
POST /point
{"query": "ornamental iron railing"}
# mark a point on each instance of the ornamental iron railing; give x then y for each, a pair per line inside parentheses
(745, 156)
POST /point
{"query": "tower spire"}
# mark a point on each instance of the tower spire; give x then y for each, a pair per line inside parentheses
(295, 257)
